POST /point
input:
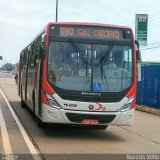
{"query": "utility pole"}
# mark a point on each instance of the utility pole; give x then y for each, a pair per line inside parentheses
(56, 10)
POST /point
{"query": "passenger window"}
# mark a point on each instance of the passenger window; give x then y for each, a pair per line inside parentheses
(35, 54)
(24, 63)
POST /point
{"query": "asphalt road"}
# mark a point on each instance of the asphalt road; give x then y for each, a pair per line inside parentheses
(141, 138)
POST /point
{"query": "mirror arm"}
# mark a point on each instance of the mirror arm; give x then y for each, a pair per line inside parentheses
(138, 52)
(137, 43)
(42, 52)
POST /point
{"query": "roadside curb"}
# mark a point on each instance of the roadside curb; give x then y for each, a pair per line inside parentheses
(148, 110)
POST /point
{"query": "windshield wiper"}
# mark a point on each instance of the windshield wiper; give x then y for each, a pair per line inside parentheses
(77, 49)
(106, 56)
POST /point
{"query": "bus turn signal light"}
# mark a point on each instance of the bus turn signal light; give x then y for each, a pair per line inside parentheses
(128, 105)
(52, 101)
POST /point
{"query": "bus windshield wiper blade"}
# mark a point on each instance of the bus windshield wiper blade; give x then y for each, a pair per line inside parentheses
(77, 49)
(107, 54)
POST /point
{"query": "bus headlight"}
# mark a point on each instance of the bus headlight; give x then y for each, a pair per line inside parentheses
(128, 105)
(52, 101)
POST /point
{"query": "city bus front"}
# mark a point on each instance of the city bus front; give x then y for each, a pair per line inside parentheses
(91, 70)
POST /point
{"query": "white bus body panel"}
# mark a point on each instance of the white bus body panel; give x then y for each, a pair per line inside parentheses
(84, 106)
(53, 115)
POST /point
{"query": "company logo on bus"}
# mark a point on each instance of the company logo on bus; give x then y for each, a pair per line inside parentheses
(99, 107)
(91, 107)
(90, 94)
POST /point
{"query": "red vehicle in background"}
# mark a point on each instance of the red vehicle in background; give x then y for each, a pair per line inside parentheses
(80, 73)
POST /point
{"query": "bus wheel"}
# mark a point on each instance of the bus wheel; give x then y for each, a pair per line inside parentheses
(23, 105)
(37, 119)
(33, 104)
(39, 122)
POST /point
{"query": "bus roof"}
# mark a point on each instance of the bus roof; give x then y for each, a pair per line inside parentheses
(87, 24)
(46, 28)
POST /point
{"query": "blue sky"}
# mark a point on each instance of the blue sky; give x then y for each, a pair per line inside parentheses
(22, 20)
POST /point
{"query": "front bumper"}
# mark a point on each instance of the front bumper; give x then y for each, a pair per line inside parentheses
(52, 115)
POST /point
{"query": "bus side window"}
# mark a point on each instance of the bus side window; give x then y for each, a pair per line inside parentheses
(24, 60)
(33, 55)
(28, 56)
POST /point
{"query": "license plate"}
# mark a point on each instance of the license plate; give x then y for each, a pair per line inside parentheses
(90, 122)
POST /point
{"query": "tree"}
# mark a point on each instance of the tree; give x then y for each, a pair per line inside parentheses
(7, 67)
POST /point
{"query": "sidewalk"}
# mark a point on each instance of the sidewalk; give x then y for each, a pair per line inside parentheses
(148, 110)
(14, 142)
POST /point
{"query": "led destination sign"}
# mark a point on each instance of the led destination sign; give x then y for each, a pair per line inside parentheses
(89, 32)
(94, 33)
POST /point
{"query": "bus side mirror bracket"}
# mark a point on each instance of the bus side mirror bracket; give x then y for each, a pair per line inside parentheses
(42, 50)
(138, 56)
(138, 60)
(138, 53)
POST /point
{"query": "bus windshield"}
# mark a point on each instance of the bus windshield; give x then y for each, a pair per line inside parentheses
(80, 66)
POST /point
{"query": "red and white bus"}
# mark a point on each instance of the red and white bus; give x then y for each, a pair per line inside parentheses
(80, 73)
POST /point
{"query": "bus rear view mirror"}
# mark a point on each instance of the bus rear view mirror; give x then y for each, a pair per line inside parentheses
(42, 52)
(138, 53)
(138, 56)
(1, 58)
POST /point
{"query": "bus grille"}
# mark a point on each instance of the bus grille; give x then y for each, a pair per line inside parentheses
(78, 118)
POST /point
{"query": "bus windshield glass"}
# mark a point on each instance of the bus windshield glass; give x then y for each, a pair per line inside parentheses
(90, 67)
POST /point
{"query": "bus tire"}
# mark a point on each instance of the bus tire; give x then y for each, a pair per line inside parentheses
(39, 123)
(37, 119)
(23, 105)
(33, 103)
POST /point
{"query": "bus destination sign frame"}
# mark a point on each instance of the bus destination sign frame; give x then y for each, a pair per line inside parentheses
(90, 32)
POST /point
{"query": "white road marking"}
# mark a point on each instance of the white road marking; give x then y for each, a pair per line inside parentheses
(5, 137)
(31, 147)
